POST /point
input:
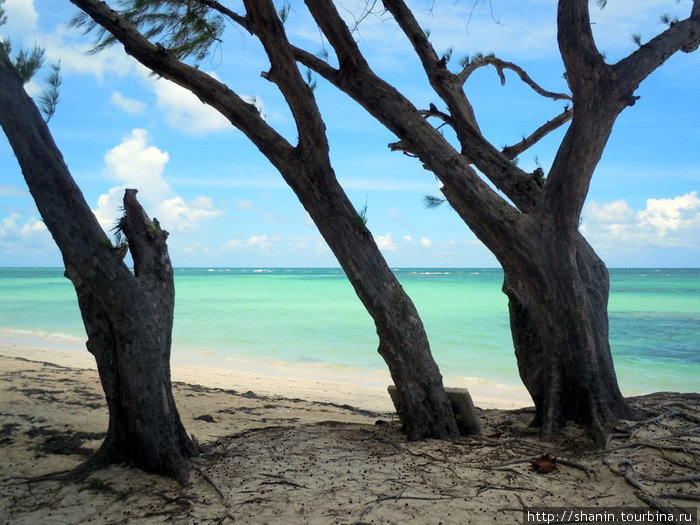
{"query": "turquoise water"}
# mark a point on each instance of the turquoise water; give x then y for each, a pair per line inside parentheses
(312, 316)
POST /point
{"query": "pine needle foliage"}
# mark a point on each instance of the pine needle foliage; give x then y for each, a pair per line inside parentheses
(186, 28)
(48, 99)
(432, 202)
(27, 63)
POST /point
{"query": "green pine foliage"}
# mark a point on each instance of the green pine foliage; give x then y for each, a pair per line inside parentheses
(187, 29)
(432, 202)
(27, 64)
(48, 99)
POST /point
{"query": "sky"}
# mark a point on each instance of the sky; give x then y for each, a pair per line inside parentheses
(226, 206)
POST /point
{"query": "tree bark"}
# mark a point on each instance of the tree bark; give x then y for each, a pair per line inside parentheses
(558, 314)
(128, 316)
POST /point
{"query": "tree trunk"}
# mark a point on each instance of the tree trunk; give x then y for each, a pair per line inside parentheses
(132, 350)
(403, 343)
(558, 315)
(128, 316)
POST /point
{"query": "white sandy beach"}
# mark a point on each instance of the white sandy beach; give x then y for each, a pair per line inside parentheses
(280, 445)
(313, 381)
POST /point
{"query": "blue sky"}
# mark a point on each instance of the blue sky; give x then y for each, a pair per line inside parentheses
(225, 205)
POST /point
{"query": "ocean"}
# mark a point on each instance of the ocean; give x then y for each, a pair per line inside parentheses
(312, 316)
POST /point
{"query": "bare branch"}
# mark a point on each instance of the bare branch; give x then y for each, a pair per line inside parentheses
(576, 44)
(513, 181)
(240, 20)
(420, 138)
(446, 85)
(284, 72)
(339, 36)
(500, 65)
(680, 36)
(516, 149)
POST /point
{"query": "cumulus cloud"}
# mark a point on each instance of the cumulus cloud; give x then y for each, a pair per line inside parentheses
(130, 105)
(136, 164)
(386, 242)
(185, 112)
(677, 214)
(24, 235)
(668, 223)
(261, 243)
(10, 227)
(21, 17)
(425, 242)
(278, 245)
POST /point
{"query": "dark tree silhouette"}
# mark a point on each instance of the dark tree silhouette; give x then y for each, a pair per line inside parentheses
(307, 169)
(556, 285)
(128, 316)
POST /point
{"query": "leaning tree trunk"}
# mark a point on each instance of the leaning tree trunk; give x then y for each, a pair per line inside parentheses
(403, 342)
(128, 316)
(558, 314)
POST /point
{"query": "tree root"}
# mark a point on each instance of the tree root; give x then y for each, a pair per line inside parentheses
(653, 433)
(211, 482)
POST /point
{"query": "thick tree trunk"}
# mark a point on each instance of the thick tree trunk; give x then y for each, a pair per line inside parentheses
(558, 311)
(128, 316)
(132, 350)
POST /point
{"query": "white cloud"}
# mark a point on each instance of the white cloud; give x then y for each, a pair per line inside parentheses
(185, 112)
(244, 204)
(385, 242)
(261, 243)
(30, 235)
(679, 213)
(138, 165)
(234, 244)
(277, 245)
(72, 49)
(21, 17)
(664, 223)
(425, 242)
(130, 105)
(408, 238)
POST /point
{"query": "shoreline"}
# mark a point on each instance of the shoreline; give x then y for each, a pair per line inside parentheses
(365, 389)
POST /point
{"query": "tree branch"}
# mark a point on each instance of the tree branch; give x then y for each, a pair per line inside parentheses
(240, 113)
(445, 83)
(681, 36)
(398, 114)
(216, 6)
(581, 57)
(284, 72)
(516, 149)
(500, 65)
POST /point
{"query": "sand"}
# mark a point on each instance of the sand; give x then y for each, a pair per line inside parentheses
(287, 449)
